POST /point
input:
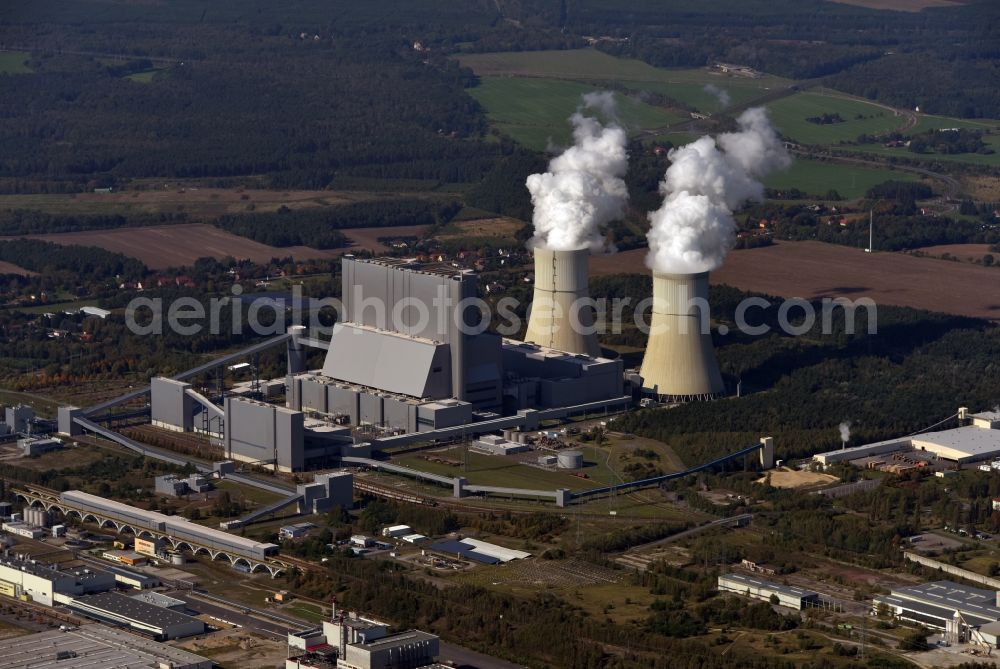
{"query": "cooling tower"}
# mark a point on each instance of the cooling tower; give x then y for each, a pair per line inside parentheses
(561, 280)
(679, 363)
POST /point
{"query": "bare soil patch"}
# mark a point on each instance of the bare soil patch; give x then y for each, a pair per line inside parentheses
(984, 188)
(899, 5)
(793, 478)
(163, 246)
(485, 227)
(10, 268)
(814, 270)
(964, 252)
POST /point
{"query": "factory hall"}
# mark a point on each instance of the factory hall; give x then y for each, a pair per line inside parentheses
(410, 356)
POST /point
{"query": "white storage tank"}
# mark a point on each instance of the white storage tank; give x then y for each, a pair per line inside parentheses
(570, 460)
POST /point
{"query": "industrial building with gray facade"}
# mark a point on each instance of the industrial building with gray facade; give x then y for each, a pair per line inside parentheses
(406, 357)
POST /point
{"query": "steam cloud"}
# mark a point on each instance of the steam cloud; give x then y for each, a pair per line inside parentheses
(720, 94)
(583, 188)
(845, 432)
(707, 180)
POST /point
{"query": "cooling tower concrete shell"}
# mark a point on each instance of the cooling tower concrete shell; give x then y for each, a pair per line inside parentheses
(558, 318)
(680, 363)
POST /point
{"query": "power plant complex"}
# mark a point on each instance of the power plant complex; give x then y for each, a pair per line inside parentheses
(411, 361)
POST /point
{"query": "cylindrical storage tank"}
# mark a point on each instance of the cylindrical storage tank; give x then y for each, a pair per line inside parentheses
(570, 460)
(562, 317)
(680, 363)
(177, 558)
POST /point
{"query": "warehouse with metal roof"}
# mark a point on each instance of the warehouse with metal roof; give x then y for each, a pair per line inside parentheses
(935, 604)
(137, 615)
(92, 646)
(976, 438)
(759, 588)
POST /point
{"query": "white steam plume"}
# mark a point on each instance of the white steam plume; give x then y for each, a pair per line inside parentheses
(583, 188)
(707, 180)
(720, 94)
(845, 431)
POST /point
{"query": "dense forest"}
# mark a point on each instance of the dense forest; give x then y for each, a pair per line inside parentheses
(32, 221)
(336, 93)
(319, 228)
(80, 262)
(802, 387)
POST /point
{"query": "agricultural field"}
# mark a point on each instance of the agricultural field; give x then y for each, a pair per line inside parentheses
(685, 85)
(927, 122)
(11, 268)
(858, 117)
(483, 227)
(534, 111)
(163, 246)
(964, 252)
(817, 178)
(985, 159)
(899, 5)
(814, 270)
(14, 62)
(196, 202)
(585, 64)
(144, 77)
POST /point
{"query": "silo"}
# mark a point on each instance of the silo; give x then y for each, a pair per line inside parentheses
(570, 460)
(557, 316)
(680, 363)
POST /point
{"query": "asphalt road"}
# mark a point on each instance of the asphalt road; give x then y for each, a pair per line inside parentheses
(231, 615)
(470, 659)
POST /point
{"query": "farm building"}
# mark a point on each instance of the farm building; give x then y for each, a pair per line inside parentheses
(758, 588)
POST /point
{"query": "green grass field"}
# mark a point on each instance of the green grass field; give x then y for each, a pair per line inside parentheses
(989, 160)
(816, 178)
(535, 111)
(789, 116)
(685, 85)
(14, 62)
(505, 471)
(144, 77)
(927, 122)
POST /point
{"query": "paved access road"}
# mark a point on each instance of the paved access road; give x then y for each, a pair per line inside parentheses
(470, 659)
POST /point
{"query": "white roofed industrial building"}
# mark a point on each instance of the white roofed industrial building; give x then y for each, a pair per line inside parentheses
(976, 440)
(934, 604)
(758, 588)
(94, 647)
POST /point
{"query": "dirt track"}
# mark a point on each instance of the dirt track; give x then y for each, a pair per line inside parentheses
(814, 270)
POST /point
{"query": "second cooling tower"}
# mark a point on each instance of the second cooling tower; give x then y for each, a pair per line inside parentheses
(680, 363)
(558, 319)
